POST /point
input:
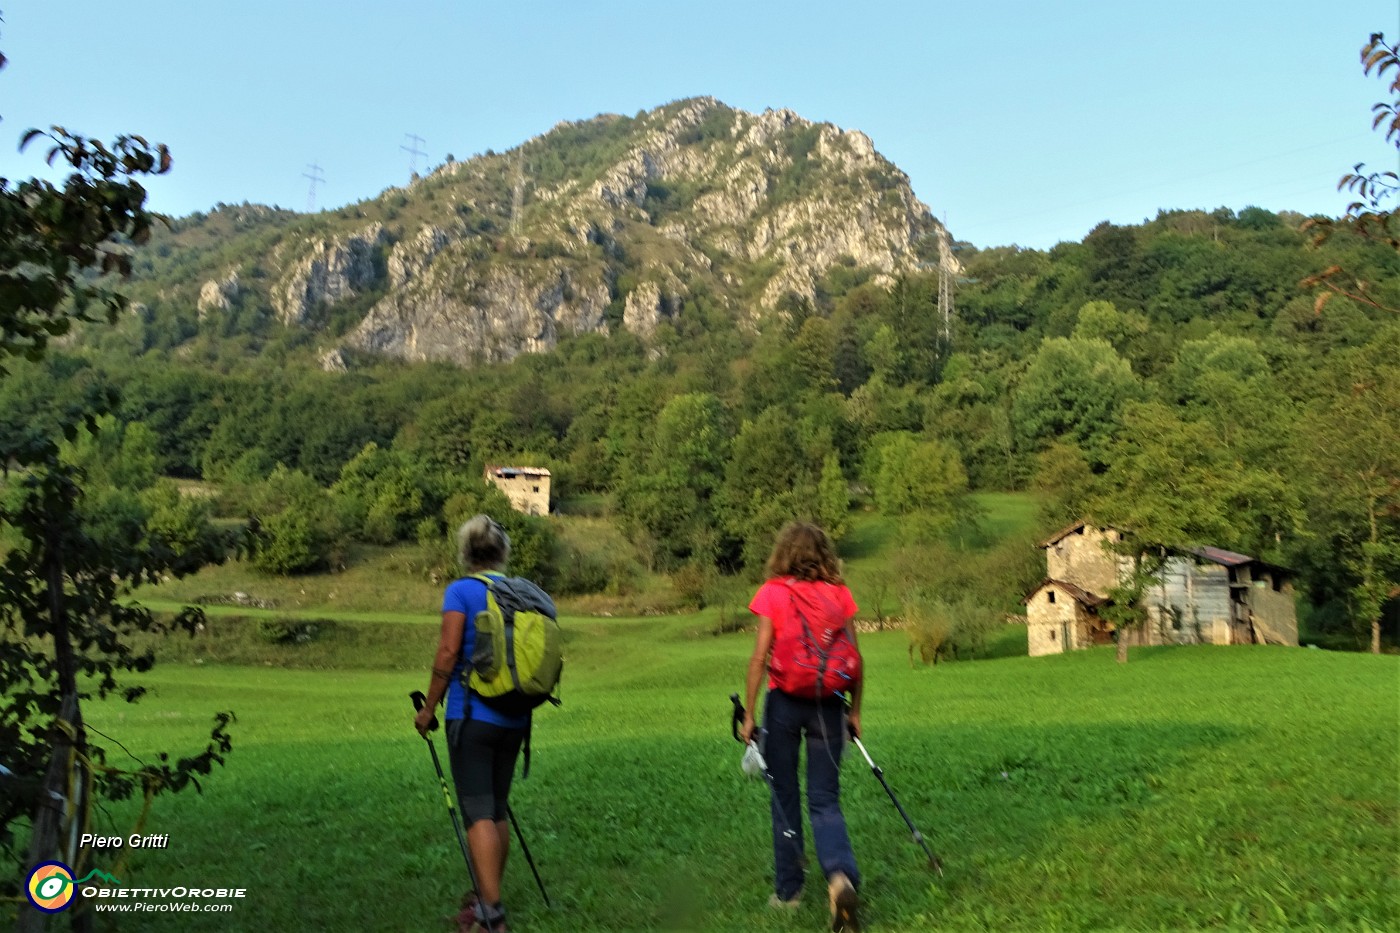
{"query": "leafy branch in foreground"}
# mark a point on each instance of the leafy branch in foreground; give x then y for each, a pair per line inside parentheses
(62, 245)
(69, 555)
(1368, 217)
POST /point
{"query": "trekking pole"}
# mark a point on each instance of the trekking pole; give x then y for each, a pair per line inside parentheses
(784, 826)
(526, 849)
(933, 861)
(418, 700)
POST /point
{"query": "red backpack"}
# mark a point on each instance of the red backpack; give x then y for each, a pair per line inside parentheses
(813, 655)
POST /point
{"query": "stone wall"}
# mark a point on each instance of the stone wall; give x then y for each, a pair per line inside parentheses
(1081, 558)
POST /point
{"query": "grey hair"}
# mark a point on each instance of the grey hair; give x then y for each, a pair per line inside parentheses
(482, 544)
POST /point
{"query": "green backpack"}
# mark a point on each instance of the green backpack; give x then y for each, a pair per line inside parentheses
(518, 654)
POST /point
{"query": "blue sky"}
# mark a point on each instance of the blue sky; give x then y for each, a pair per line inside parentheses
(1017, 122)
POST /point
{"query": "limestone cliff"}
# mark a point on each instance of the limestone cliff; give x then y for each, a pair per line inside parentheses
(597, 224)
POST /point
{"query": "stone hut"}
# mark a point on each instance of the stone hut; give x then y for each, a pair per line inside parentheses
(1062, 617)
(1203, 595)
(527, 488)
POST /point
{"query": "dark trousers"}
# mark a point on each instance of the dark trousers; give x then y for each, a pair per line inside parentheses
(786, 721)
(483, 763)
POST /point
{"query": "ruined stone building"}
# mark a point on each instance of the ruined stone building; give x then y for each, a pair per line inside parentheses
(1203, 595)
(527, 488)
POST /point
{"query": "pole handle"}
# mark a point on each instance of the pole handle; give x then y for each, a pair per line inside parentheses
(737, 718)
(418, 702)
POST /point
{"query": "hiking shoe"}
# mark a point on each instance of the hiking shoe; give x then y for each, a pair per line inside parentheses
(466, 917)
(490, 919)
(791, 903)
(844, 903)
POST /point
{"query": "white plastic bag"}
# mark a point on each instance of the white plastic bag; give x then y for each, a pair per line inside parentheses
(753, 764)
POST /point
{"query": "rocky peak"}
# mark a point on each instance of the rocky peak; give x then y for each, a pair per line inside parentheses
(597, 223)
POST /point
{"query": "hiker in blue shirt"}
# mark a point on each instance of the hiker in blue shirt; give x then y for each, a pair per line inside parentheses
(483, 743)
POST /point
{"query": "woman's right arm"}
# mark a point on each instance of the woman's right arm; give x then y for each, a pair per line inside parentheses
(758, 665)
(444, 660)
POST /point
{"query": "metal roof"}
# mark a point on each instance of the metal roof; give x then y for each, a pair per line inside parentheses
(514, 471)
(1221, 556)
(1092, 600)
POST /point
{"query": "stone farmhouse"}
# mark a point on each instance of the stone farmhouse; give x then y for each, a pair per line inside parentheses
(527, 488)
(1204, 595)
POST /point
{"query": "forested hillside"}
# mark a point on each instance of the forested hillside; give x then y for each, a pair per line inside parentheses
(1171, 376)
(764, 340)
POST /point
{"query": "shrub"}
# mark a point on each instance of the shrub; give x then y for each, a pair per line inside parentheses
(948, 630)
(290, 631)
(691, 583)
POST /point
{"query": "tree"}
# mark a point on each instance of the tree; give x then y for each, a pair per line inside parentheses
(1075, 388)
(1100, 320)
(1175, 479)
(63, 587)
(296, 528)
(833, 499)
(670, 498)
(1126, 610)
(1353, 458)
(767, 482)
(1064, 484)
(924, 482)
(1368, 217)
(61, 245)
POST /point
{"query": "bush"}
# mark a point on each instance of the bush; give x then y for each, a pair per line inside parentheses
(940, 630)
(291, 631)
(577, 571)
(691, 583)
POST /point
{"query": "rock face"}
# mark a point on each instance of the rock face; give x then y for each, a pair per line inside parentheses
(491, 314)
(218, 295)
(645, 308)
(330, 272)
(596, 224)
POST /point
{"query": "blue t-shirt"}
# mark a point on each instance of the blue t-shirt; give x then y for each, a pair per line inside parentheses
(468, 597)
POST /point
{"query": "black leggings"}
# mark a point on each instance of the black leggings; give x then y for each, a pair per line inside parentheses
(483, 763)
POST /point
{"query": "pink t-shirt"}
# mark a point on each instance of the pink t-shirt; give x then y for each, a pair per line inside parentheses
(774, 600)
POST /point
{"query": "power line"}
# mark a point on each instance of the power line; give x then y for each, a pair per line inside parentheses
(1121, 192)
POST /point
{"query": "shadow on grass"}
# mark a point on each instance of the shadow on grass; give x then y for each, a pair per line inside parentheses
(1005, 806)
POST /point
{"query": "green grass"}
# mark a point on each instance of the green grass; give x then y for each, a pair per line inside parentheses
(376, 581)
(1194, 788)
(386, 584)
(1008, 514)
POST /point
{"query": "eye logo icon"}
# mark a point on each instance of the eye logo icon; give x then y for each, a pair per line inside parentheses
(50, 887)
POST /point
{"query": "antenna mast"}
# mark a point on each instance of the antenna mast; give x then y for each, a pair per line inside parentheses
(413, 153)
(948, 268)
(517, 196)
(313, 172)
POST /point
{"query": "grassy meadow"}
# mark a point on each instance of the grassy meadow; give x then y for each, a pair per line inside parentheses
(1194, 788)
(1242, 788)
